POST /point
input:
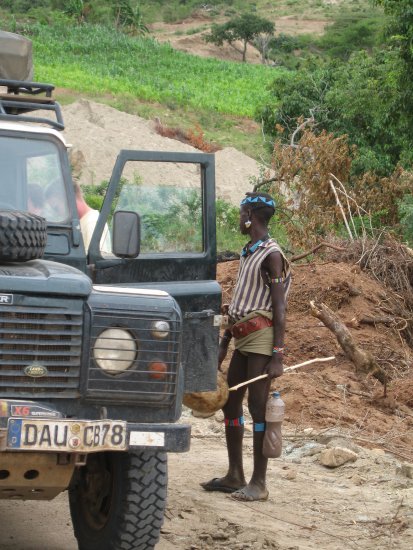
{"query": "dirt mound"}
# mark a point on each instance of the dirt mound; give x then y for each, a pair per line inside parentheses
(332, 395)
(98, 132)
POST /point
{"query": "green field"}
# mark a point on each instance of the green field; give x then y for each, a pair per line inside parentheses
(95, 59)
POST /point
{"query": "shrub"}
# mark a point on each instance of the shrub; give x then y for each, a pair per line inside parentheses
(406, 217)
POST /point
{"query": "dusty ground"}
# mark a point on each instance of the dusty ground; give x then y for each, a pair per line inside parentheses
(367, 504)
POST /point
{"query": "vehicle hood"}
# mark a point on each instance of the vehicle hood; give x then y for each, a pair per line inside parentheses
(43, 277)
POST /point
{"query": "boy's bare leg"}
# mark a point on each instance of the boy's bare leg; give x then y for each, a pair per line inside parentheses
(234, 479)
(257, 399)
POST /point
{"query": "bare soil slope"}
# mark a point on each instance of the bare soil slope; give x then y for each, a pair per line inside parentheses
(98, 132)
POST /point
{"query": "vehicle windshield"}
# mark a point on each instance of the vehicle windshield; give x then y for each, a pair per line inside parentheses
(31, 178)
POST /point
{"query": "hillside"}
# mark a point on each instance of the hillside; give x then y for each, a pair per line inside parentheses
(189, 36)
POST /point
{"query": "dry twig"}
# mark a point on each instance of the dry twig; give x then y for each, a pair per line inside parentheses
(315, 249)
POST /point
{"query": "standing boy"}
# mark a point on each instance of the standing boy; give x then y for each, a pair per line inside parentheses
(257, 314)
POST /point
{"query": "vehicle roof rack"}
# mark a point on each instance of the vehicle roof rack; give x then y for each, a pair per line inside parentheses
(22, 97)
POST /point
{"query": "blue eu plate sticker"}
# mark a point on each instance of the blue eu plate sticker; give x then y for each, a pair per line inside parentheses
(14, 433)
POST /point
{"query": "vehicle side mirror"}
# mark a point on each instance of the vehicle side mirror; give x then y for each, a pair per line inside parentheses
(126, 234)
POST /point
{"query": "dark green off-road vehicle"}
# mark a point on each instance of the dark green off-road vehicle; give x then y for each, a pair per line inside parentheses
(98, 347)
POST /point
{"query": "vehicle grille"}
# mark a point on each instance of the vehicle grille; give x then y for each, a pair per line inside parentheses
(46, 336)
(136, 383)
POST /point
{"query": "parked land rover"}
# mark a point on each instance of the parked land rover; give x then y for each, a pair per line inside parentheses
(98, 347)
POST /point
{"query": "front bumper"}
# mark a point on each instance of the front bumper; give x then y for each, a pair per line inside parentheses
(174, 438)
(26, 426)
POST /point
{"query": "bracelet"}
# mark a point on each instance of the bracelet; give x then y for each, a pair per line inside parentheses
(275, 349)
(276, 280)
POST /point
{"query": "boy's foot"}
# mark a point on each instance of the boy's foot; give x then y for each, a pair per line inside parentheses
(221, 485)
(250, 493)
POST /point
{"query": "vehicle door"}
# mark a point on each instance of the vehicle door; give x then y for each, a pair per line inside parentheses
(174, 195)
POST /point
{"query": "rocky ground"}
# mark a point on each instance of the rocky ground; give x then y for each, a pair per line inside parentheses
(366, 503)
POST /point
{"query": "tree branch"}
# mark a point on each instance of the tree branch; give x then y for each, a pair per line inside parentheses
(350, 234)
(307, 121)
(363, 360)
(264, 182)
(317, 247)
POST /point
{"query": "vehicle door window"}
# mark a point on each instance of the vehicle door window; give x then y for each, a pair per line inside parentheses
(168, 198)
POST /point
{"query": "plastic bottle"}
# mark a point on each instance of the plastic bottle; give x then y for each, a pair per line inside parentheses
(274, 415)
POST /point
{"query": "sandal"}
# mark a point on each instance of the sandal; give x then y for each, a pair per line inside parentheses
(243, 496)
(216, 484)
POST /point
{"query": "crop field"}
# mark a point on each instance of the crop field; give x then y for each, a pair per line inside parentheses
(96, 59)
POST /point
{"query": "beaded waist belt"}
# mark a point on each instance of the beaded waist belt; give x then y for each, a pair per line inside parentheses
(243, 328)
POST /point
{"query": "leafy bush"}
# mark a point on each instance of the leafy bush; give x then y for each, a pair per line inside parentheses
(360, 98)
(227, 224)
(406, 217)
(351, 32)
(285, 43)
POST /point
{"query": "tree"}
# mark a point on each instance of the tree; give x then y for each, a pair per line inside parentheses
(400, 31)
(262, 43)
(78, 10)
(247, 28)
(401, 25)
(129, 17)
(361, 98)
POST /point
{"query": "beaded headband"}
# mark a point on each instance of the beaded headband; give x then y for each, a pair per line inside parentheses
(258, 199)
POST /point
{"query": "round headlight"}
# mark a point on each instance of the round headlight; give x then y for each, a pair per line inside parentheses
(160, 329)
(115, 350)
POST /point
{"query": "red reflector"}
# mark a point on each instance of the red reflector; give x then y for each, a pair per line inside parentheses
(157, 370)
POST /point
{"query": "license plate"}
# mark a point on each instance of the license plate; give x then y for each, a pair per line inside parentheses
(81, 436)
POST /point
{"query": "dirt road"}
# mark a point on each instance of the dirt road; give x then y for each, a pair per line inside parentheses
(363, 504)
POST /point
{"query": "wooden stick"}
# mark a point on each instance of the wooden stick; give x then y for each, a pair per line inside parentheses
(287, 369)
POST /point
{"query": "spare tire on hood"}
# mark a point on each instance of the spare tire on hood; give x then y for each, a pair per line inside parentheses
(23, 236)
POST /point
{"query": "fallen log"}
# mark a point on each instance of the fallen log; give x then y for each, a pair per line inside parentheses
(362, 360)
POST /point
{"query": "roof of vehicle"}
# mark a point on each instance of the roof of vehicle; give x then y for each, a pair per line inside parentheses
(21, 99)
(29, 128)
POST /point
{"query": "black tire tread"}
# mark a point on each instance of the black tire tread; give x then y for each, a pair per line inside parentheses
(23, 236)
(138, 504)
(145, 499)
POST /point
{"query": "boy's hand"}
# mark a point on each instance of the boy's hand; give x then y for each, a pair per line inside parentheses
(275, 367)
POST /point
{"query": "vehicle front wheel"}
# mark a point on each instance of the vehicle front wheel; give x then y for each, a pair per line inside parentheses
(117, 500)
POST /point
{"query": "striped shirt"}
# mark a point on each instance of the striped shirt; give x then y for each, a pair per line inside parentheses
(252, 290)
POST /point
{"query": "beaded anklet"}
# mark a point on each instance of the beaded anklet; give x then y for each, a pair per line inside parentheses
(235, 422)
(259, 426)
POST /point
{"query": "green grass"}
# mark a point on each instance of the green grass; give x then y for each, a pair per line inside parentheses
(96, 59)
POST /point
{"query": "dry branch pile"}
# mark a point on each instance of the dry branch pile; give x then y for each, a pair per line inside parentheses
(391, 264)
